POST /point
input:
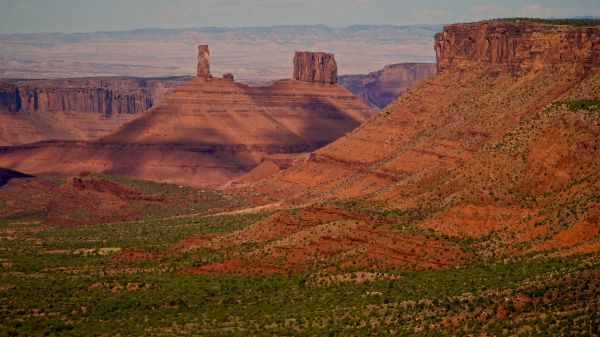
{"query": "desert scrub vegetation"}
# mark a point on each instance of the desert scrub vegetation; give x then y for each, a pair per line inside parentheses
(73, 295)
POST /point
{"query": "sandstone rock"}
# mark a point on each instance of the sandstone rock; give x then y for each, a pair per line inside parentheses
(380, 88)
(203, 61)
(519, 44)
(228, 76)
(315, 67)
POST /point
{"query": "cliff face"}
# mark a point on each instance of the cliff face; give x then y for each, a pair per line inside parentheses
(379, 88)
(315, 67)
(88, 100)
(95, 95)
(520, 44)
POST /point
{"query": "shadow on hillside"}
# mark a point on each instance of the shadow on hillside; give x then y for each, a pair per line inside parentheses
(6, 175)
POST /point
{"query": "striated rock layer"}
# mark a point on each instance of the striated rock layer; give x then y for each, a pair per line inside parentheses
(380, 88)
(520, 44)
(205, 133)
(315, 67)
(79, 108)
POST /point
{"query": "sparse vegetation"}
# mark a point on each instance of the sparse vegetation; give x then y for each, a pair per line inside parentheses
(132, 278)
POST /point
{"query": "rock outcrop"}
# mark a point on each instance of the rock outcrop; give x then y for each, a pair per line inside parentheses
(203, 61)
(379, 88)
(519, 44)
(315, 67)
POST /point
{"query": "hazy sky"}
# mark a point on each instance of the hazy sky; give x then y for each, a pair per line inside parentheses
(24, 16)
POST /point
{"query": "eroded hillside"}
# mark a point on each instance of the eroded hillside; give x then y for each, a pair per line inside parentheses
(505, 151)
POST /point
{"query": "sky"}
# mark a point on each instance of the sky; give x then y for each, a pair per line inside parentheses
(70, 16)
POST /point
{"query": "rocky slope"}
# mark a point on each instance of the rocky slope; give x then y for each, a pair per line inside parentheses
(206, 132)
(80, 109)
(381, 87)
(500, 146)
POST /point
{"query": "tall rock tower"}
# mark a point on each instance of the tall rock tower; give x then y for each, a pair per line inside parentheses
(203, 61)
(315, 67)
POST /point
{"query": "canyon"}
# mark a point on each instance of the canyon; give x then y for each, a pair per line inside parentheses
(208, 131)
(379, 88)
(468, 205)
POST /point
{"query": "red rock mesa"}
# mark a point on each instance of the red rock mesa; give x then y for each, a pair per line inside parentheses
(209, 131)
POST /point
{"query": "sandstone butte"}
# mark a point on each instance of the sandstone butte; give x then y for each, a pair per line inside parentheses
(210, 130)
(380, 88)
(75, 109)
(493, 144)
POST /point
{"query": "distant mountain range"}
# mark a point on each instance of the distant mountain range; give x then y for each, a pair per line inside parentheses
(252, 54)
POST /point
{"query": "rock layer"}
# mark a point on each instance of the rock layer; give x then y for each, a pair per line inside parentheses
(315, 67)
(520, 44)
(379, 88)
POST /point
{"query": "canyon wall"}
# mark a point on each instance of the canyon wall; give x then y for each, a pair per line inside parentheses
(315, 67)
(88, 95)
(381, 87)
(520, 44)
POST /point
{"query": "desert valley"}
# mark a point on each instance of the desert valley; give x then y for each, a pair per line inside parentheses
(455, 198)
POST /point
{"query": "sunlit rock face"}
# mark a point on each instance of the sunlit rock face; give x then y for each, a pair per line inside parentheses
(520, 44)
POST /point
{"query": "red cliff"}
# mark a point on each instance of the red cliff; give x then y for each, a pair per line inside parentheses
(106, 96)
(519, 44)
